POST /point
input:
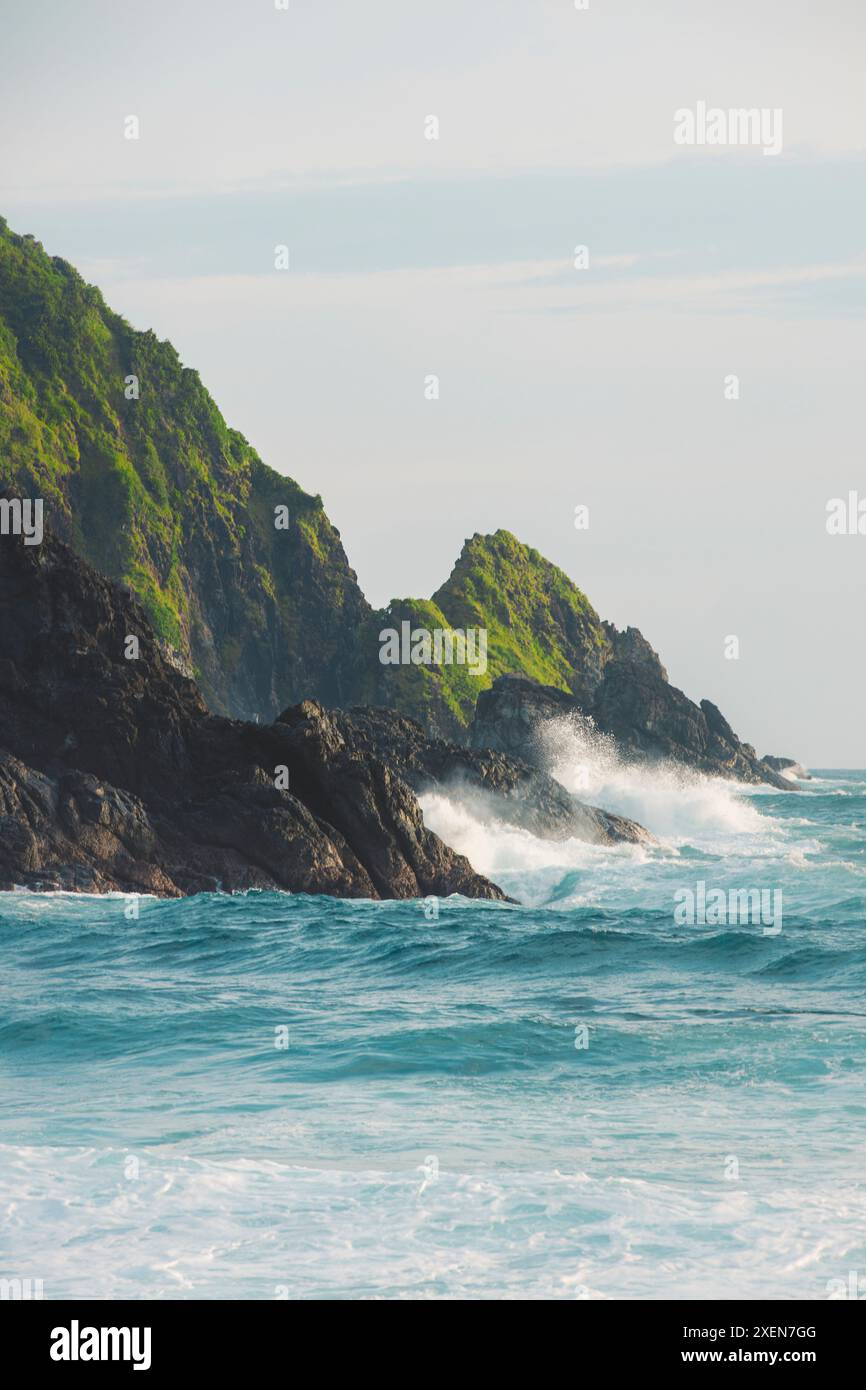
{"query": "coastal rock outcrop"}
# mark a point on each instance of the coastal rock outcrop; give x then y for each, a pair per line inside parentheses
(788, 767)
(506, 788)
(114, 775)
(649, 720)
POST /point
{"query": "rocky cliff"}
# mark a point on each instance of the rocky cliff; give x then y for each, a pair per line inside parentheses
(239, 570)
(114, 775)
(242, 575)
(549, 654)
(649, 719)
(536, 622)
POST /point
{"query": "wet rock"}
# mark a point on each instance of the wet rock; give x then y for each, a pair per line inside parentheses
(648, 719)
(493, 783)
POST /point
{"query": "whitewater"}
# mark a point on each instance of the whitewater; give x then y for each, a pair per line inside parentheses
(272, 1096)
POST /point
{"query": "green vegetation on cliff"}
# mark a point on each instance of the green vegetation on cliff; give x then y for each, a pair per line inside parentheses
(139, 471)
(538, 624)
(149, 484)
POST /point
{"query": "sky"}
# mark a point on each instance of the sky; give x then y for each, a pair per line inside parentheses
(605, 386)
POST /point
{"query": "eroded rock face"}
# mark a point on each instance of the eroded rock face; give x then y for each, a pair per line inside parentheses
(74, 832)
(649, 720)
(505, 787)
(114, 775)
(266, 614)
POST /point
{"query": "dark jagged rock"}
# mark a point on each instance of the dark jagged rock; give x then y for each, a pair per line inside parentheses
(649, 720)
(503, 786)
(74, 832)
(114, 775)
(632, 647)
(787, 766)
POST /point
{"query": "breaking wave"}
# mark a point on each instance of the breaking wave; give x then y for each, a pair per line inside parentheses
(432, 1125)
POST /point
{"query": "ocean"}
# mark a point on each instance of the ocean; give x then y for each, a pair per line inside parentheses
(580, 1097)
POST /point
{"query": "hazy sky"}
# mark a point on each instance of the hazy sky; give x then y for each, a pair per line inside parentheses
(410, 256)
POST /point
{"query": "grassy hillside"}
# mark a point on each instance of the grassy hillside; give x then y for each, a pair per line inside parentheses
(160, 494)
(538, 624)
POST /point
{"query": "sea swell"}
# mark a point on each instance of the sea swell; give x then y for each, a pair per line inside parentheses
(266, 1095)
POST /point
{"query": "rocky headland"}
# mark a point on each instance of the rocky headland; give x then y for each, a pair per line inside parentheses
(648, 719)
(115, 776)
(170, 768)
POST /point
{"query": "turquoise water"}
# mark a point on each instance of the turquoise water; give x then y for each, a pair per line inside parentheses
(431, 1128)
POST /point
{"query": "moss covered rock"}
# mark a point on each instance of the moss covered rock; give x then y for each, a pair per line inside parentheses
(140, 473)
